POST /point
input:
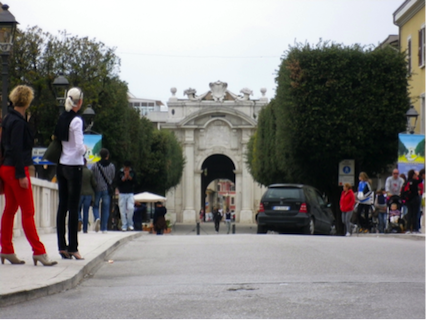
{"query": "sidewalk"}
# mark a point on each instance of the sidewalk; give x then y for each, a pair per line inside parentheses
(19, 283)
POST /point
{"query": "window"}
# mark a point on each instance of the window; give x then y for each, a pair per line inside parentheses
(218, 187)
(137, 104)
(421, 53)
(232, 200)
(409, 56)
(422, 113)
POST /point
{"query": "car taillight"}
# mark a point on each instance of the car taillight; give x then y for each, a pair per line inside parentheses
(261, 207)
(303, 208)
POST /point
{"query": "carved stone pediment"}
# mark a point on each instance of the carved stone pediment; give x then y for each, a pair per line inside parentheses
(218, 90)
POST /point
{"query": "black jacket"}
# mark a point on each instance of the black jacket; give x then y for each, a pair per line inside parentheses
(126, 186)
(17, 143)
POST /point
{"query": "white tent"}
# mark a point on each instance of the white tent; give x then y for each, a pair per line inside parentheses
(148, 197)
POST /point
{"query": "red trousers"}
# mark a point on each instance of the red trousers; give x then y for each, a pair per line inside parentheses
(23, 198)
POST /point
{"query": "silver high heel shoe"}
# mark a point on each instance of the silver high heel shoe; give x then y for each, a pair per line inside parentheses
(43, 258)
(12, 258)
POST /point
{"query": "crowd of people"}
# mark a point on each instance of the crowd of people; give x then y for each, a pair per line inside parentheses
(399, 202)
(78, 186)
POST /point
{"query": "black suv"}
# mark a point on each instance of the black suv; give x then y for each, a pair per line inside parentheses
(290, 207)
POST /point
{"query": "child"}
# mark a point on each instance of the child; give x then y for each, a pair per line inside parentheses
(380, 204)
(394, 213)
(347, 202)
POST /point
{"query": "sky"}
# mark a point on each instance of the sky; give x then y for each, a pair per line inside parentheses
(190, 43)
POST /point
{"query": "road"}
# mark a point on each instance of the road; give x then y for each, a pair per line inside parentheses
(247, 276)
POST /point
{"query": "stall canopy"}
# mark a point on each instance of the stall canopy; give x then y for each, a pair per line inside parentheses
(148, 197)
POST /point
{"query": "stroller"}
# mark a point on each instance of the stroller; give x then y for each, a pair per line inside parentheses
(395, 220)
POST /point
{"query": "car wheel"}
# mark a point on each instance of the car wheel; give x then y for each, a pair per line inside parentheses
(310, 228)
(261, 229)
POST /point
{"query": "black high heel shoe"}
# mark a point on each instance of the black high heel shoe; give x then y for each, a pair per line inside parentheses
(76, 255)
(64, 254)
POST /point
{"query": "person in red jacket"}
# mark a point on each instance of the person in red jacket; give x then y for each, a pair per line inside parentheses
(347, 203)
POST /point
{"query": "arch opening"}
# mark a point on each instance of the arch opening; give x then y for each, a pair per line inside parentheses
(217, 184)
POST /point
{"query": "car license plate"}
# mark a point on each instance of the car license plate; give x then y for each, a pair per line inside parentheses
(282, 208)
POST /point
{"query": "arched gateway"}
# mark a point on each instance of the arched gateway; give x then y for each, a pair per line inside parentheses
(214, 129)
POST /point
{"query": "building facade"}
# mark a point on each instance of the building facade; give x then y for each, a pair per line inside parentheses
(214, 129)
(410, 18)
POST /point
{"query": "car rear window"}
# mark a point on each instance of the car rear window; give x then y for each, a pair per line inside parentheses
(285, 193)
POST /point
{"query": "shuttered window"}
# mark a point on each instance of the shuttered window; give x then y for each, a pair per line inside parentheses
(409, 56)
(421, 53)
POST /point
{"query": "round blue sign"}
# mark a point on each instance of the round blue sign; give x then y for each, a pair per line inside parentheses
(346, 169)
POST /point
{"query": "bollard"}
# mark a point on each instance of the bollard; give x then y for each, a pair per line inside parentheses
(198, 228)
(233, 228)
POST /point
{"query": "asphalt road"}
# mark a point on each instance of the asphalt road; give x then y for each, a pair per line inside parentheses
(247, 276)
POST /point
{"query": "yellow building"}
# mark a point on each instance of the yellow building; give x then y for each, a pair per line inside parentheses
(410, 18)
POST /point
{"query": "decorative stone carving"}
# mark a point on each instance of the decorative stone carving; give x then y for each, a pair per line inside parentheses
(246, 94)
(191, 94)
(218, 90)
(173, 91)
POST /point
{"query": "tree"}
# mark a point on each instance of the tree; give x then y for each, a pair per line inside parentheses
(334, 103)
(38, 57)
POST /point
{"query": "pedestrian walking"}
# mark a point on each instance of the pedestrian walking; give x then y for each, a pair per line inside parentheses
(104, 172)
(365, 198)
(126, 183)
(410, 195)
(380, 205)
(87, 196)
(394, 184)
(228, 221)
(347, 203)
(217, 217)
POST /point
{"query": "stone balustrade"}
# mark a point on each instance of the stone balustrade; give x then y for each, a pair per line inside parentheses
(45, 204)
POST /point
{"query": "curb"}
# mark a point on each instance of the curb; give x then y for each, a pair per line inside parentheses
(26, 295)
(392, 235)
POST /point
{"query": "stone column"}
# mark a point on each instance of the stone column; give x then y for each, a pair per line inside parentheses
(238, 194)
(189, 212)
(246, 213)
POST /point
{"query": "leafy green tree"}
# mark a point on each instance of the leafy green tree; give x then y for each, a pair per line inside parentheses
(39, 57)
(335, 102)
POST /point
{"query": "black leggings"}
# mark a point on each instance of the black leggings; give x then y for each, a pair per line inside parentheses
(69, 187)
(363, 222)
(413, 207)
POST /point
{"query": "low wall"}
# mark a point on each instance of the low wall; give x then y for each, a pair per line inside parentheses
(45, 204)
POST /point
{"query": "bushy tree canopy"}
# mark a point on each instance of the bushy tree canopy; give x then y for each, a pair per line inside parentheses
(39, 57)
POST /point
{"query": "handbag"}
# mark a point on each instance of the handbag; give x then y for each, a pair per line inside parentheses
(109, 186)
(54, 151)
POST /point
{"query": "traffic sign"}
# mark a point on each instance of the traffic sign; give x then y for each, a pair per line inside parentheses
(346, 172)
(347, 167)
(37, 156)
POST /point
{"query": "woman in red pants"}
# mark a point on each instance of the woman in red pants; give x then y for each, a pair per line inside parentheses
(17, 142)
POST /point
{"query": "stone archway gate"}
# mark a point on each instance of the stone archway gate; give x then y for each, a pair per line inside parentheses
(216, 122)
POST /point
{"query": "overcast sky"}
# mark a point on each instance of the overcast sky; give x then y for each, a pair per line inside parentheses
(190, 43)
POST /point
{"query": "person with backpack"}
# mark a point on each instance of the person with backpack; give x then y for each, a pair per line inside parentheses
(410, 194)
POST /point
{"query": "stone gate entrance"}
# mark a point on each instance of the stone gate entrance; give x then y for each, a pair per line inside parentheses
(214, 129)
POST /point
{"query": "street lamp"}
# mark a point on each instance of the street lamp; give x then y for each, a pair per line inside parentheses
(411, 119)
(60, 86)
(88, 116)
(7, 34)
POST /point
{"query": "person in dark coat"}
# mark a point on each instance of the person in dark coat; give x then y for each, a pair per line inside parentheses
(217, 217)
(159, 218)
